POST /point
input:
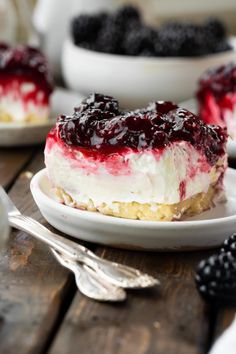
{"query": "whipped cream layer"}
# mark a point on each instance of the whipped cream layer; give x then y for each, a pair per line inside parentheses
(165, 176)
(22, 101)
(230, 121)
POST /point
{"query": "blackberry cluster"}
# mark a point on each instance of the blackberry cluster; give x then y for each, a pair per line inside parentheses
(125, 33)
(98, 123)
(216, 276)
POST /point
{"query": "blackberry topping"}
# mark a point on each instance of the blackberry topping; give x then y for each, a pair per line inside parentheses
(216, 276)
(99, 124)
(162, 106)
(28, 61)
(98, 101)
(218, 81)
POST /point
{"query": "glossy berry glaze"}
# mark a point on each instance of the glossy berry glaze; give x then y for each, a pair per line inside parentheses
(24, 64)
(217, 97)
(99, 128)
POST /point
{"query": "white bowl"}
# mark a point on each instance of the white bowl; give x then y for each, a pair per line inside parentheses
(208, 229)
(135, 81)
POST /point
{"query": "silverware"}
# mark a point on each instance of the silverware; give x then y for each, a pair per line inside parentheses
(116, 273)
(90, 283)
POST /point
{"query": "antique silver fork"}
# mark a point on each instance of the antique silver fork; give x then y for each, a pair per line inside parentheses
(116, 273)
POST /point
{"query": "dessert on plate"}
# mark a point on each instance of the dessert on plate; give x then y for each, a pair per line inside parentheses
(25, 85)
(157, 163)
(217, 97)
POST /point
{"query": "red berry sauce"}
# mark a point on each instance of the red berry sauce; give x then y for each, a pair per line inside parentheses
(24, 64)
(98, 126)
(217, 94)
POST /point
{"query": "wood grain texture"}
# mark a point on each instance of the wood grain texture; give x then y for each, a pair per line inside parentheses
(33, 285)
(169, 320)
(224, 318)
(11, 163)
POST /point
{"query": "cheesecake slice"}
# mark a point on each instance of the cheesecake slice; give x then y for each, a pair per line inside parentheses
(25, 85)
(217, 97)
(158, 163)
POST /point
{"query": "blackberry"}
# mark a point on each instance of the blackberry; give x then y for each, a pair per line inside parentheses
(215, 28)
(162, 106)
(222, 46)
(216, 276)
(110, 38)
(99, 101)
(127, 13)
(229, 245)
(193, 42)
(171, 41)
(84, 28)
(140, 41)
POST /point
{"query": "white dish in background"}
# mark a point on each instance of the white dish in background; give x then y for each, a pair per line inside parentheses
(135, 81)
(191, 105)
(203, 231)
(21, 134)
(52, 18)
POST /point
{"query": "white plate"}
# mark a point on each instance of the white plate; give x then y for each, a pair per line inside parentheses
(21, 134)
(204, 231)
(191, 105)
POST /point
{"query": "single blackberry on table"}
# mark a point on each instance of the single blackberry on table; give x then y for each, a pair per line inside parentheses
(140, 41)
(84, 28)
(216, 276)
(229, 245)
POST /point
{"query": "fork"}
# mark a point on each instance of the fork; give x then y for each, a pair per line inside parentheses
(116, 273)
(89, 283)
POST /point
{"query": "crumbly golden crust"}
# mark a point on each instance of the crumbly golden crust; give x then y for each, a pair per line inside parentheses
(152, 212)
(30, 117)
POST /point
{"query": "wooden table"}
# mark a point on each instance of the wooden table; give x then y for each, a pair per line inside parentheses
(41, 310)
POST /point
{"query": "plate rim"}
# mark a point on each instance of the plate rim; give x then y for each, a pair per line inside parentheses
(101, 218)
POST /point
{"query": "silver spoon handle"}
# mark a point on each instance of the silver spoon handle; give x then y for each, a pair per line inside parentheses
(118, 274)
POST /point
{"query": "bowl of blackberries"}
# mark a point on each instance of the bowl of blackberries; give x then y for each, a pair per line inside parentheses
(120, 54)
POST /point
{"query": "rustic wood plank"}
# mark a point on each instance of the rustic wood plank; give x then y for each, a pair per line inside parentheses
(171, 320)
(223, 315)
(11, 163)
(33, 285)
(224, 318)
